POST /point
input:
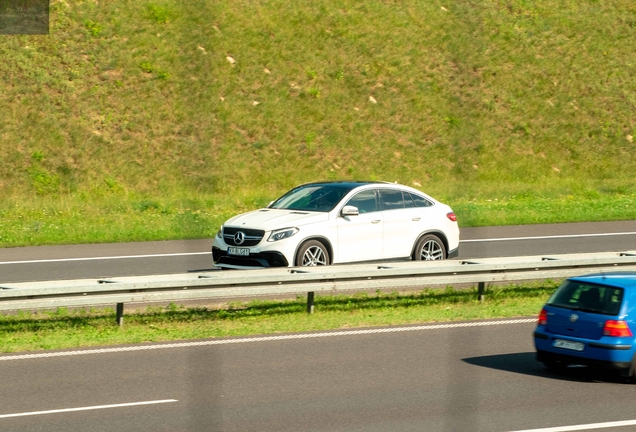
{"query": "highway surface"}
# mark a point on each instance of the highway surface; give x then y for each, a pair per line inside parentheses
(474, 376)
(135, 259)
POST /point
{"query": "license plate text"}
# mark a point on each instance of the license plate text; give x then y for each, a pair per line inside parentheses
(238, 251)
(570, 345)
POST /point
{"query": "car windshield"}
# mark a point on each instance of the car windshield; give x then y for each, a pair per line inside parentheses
(320, 198)
(588, 298)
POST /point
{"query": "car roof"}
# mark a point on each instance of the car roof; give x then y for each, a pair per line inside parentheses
(624, 279)
(348, 184)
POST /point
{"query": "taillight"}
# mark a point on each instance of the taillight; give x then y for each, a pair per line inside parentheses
(616, 329)
(543, 318)
(451, 216)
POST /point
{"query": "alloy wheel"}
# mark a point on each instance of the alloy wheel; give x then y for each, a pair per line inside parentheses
(431, 250)
(314, 256)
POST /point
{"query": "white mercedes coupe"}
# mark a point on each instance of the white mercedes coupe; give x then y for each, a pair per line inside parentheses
(339, 222)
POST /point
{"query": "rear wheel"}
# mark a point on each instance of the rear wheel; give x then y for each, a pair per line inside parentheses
(429, 248)
(630, 374)
(311, 254)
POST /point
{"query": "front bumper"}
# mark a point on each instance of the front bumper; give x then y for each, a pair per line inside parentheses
(254, 260)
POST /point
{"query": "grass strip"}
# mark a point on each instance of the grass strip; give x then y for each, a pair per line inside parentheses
(158, 119)
(63, 328)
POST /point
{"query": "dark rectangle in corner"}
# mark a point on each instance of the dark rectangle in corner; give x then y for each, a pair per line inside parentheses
(24, 17)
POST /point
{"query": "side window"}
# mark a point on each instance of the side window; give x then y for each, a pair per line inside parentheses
(614, 299)
(365, 201)
(391, 199)
(408, 201)
(421, 201)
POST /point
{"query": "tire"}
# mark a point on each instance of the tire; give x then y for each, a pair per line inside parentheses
(312, 253)
(629, 375)
(429, 248)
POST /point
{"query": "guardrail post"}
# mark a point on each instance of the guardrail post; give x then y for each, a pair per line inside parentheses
(310, 302)
(481, 289)
(120, 314)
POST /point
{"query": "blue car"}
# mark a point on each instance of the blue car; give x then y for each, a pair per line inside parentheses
(590, 320)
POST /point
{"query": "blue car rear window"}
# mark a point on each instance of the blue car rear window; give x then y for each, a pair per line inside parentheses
(588, 298)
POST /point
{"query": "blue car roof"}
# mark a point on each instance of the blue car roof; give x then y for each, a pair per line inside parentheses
(615, 279)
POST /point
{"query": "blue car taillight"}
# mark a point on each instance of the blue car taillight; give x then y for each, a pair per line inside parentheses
(616, 328)
(543, 318)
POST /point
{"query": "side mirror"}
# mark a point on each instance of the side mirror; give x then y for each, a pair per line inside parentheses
(349, 211)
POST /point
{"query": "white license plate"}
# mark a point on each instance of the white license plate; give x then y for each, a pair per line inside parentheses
(570, 345)
(238, 251)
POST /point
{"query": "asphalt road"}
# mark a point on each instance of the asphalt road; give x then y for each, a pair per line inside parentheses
(148, 258)
(481, 376)
(467, 377)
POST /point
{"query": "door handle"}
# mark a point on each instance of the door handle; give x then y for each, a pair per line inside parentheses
(416, 219)
(375, 221)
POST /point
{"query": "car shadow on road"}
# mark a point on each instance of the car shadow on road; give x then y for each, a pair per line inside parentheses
(526, 363)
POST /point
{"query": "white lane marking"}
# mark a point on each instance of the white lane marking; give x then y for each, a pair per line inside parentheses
(547, 237)
(583, 427)
(104, 258)
(265, 339)
(89, 408)
(208, 253)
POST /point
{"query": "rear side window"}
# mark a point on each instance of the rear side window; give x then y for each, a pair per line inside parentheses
(391, 199)
(588, 298)
(420, 201)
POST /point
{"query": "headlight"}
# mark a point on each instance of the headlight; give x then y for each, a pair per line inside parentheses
(282, 234)
(219, 233)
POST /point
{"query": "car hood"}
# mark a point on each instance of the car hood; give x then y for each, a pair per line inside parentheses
(271, 219)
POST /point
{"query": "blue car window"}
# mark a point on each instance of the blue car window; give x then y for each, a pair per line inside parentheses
(588, 297)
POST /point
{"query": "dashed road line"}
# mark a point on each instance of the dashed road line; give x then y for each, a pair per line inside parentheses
(208, 252)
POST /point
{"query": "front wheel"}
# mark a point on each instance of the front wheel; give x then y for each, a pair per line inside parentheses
(429, 248)
(311, 254)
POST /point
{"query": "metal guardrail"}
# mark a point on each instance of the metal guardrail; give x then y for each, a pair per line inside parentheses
(300, 280)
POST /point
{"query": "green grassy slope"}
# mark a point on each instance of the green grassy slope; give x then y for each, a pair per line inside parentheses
(142, 119)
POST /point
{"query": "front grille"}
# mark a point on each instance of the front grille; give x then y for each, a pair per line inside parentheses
(252, 236)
